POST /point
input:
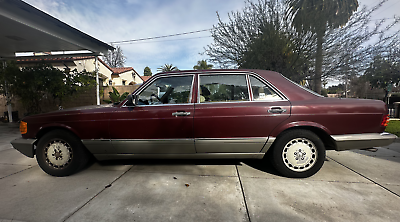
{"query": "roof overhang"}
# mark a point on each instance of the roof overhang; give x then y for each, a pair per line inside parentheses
(53, 56)
(27, 29)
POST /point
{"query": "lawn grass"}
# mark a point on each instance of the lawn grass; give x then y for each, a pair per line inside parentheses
(393, 127)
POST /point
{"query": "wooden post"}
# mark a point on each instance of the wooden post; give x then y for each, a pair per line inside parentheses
(97, 81)
(8, 99)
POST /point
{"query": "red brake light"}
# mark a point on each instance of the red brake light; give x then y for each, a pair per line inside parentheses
(385, 120)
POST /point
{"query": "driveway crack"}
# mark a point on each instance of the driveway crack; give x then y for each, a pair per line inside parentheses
(30, 167)
(376, 183)
(87, 202)
(244, 196)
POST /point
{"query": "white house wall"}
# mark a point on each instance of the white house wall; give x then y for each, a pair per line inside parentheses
(89, 66)
(129, 77)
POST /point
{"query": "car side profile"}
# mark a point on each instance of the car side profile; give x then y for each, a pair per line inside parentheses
(208, 114)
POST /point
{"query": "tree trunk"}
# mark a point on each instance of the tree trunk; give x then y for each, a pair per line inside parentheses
(318, 63)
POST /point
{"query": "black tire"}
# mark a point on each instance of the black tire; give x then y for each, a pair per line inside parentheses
(60, 153)
(298, 153)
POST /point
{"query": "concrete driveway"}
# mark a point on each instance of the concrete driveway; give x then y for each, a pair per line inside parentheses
(351, 186)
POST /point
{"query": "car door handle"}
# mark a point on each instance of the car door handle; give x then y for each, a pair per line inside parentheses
(276, 110)
(181, 113)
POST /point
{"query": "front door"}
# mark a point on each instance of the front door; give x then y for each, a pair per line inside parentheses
(161, 122)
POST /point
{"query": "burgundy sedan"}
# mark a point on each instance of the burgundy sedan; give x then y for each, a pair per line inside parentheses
(209, 114)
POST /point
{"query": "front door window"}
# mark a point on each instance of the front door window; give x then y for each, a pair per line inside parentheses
(167, 90)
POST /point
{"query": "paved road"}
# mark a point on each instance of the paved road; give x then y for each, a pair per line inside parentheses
(351, 186)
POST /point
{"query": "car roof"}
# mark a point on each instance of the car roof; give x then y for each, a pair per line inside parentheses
(289, 89)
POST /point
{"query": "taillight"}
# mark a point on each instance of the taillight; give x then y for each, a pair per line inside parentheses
(385, 120)
(23, 127)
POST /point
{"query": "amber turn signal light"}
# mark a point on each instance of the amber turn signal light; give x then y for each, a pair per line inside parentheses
(23, 127)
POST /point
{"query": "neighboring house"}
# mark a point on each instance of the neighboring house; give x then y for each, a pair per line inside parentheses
(125, 76)
(145, 78)
(108, 75)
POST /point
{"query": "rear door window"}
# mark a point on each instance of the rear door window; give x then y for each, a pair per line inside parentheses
(261, 91)
(223, 88)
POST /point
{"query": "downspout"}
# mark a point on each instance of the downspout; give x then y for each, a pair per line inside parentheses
(97, 81)
(8, 99)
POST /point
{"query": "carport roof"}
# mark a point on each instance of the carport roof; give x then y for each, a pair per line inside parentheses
(27, 29)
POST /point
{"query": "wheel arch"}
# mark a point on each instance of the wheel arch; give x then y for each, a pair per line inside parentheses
(328, 141)
(46, 129)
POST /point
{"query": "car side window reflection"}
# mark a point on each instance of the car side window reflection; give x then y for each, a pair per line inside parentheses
(223, 88)
(167, 90)
(262, 92)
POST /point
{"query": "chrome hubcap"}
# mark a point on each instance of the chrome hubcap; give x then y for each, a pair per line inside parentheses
(58, 153)
(300, 154)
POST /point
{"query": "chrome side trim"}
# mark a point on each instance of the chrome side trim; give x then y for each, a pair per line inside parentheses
(268, 144)
(168, 104)
(230, 145)
(361, 141)
(140, 146)
(97, 145)
(181, 156)
(25, 146)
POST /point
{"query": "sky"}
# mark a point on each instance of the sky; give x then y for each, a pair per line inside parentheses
(119, 20)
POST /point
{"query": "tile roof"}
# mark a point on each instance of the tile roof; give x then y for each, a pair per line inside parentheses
(145, 78)
(120, 70)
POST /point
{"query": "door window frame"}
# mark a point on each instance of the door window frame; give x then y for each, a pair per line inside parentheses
(221, 74)
(249, 88)
(169, 104)
(271, 87)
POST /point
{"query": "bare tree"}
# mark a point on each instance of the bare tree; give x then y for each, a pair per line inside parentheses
(250, 40)
(115, 58)
(350, 49)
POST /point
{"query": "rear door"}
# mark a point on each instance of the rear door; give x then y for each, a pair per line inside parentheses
(232, 117)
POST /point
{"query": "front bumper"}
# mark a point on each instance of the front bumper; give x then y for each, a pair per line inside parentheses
(362, 141)
(25, 146)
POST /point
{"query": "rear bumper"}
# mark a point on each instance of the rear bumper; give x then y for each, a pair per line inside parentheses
(25, 146)
(362, 141)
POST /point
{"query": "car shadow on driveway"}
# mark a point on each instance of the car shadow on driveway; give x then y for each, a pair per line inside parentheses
(262, 165)
(259, 165)
(168, 162)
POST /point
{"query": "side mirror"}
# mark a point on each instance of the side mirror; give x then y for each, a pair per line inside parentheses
(131, 100)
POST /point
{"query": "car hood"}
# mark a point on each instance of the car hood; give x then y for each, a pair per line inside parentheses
(92, 107)
(73, 111)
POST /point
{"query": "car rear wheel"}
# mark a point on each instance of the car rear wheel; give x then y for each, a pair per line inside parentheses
(61, 153)
(298, 153)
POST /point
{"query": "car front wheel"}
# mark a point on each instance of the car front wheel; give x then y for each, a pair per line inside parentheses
(60, 153)
(298, 153)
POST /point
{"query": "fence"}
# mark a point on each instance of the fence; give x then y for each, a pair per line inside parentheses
(83, 99)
